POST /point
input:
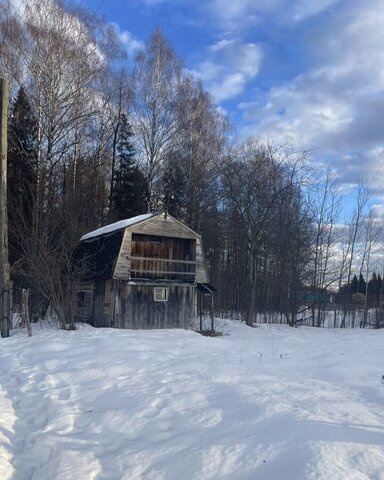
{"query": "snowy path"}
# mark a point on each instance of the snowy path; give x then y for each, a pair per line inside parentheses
(268, 403)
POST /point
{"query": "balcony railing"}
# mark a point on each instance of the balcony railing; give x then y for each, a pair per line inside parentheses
(162, 268)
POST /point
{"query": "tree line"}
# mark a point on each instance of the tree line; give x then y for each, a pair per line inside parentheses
(95, 137)
(359, 288)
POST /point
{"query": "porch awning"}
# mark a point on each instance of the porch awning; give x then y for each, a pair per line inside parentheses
(205, 288)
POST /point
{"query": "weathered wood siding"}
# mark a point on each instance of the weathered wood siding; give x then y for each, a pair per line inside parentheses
(85, 301)
(166, 227)
(95, 302)
(136, 308)
(123, 262)
(201, 271)
(158, 246)
(99, 320)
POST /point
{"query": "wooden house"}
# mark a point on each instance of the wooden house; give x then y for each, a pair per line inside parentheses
(144, 272)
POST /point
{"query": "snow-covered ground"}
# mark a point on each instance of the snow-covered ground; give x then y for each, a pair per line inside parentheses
(263, 403)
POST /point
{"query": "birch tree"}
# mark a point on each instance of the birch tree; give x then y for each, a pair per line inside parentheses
(156, 77)
(354, 229)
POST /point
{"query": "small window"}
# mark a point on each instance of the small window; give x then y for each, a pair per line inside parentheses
(84, 299)
(160, 294)
(80, 299)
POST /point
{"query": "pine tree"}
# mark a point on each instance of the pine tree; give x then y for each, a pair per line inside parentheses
(130, 189)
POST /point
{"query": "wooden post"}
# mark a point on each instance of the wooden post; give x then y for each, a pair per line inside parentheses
(25, 322)
(212, 317)
(113, 305)
(201, 310)
(5, 313)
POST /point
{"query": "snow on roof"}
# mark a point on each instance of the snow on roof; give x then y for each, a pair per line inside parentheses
(117, 226)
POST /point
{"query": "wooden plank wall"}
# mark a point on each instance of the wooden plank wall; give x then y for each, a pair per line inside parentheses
(98, 309)
(84, 312)
(156, 246)
(166, 227)
(201, 271)
(136, 308)
(123, 263)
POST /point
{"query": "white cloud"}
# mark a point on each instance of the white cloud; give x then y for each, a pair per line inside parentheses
(303, 9)
(302, 110)
(238, 15)
(337, 105)
(130, 43)
(378, 211)
(230, 66)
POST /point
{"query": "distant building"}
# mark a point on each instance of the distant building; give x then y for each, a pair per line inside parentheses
(144, 272)
(320, 297)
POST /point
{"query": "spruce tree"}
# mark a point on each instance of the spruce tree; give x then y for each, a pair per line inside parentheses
(354, 285)
(174, 184)
(374, 287)
(22, 167)
(379, 283)
(362, 284)
(130, 189)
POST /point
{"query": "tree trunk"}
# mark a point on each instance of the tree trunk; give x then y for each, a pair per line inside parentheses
(25, 322)
(5, 313)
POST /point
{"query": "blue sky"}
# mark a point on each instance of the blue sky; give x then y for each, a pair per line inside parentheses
(308, 72)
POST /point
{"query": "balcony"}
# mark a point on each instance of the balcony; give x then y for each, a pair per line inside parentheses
(162, 269)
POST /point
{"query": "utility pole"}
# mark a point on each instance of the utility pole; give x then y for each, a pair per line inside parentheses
(5, 313)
